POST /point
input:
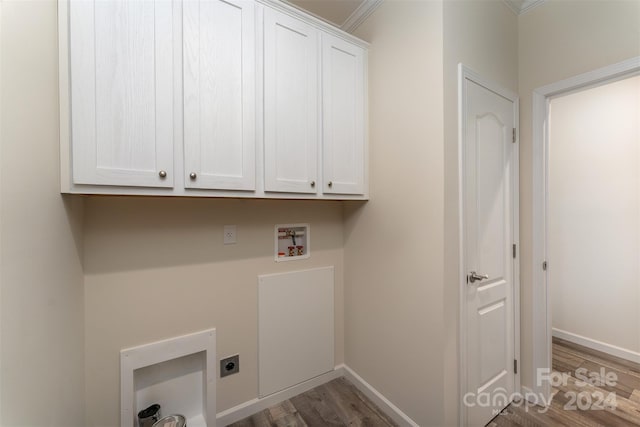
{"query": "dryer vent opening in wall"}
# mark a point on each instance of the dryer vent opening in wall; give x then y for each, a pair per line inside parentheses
(178, 373)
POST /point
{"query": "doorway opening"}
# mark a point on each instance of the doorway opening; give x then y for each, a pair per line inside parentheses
(594, 217)
(555, 252)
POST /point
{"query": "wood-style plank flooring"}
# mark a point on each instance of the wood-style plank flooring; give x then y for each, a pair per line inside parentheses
(621, 409)
(336, 403)
(339, 403)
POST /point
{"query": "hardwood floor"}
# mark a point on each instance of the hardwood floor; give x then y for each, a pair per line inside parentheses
(337, 403)
(613, 400)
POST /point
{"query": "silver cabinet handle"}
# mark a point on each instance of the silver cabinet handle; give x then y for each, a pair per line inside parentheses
(162, 174)
(473, 277)
(193, 176)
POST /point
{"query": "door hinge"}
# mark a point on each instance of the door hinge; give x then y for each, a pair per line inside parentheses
(544, 265)
(514, 250)
(515, 366)
(514, 136)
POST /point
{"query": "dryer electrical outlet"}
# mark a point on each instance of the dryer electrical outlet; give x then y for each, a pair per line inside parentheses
(229, 365)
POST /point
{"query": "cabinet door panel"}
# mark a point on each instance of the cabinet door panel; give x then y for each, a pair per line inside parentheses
(291, 104)
(343, 116)
(219, 94)
(122, 92)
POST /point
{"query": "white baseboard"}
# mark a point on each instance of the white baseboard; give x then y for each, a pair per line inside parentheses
(253, 406)
(613, 350)
(376, 397)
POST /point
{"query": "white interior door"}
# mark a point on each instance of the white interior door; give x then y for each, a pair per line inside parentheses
(489, 235)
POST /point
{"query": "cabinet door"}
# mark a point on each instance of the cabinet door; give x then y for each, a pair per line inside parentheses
(219, 94)
(343, 116)
(291, 122)
(122, 92)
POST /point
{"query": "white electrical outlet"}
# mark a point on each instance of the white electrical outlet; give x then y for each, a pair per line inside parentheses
(229, 234)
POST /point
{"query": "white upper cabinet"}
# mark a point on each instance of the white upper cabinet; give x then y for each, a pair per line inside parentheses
(291, 104)
(343, 144)
(219, 94)
(210, 98)
(121, 68)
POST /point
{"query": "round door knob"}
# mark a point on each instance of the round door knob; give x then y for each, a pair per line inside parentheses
(313, 183)
(330, 184)
(162, 174)
(193, 176)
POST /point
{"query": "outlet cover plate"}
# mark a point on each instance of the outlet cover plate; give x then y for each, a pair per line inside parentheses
(229, 365)
(229, 234)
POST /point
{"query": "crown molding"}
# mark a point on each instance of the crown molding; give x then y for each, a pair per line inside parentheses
(311, 19)
(522, 6)
(512, 6)
(305, 11)
(530, 4)
(362, 12)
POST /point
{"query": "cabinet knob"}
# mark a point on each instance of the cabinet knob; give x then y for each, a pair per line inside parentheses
(162, 174)
(193, 176)
(313, 183)
(330, 184)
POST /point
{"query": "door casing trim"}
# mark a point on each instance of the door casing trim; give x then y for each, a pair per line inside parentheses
(542, 96)
(466, 73)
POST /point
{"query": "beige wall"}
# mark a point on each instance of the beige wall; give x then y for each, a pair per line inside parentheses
(482, 35)
(400, 256)
(157, 268)
(401, 290)
(594, 212)
(558, 40)
(41, 239)
(393, 244)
